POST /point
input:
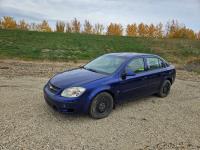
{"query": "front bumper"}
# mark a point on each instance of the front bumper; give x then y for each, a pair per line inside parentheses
(62, 104)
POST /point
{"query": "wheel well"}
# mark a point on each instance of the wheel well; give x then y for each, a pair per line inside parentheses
(109, 92)
(170, 79)
(113, 96)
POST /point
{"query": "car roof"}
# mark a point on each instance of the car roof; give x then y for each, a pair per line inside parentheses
(129, 54)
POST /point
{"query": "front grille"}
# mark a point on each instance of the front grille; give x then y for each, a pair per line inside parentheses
(53, 88)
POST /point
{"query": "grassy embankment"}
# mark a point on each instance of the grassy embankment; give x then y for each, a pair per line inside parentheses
(30, 45)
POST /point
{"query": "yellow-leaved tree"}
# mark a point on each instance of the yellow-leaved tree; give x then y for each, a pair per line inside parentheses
(8, 23)
(172, 28)
(186, 33)
(159, 30)
(131, 30)
(88, 28)
(151, 31)
(68, 27)
(177, 30)
(33, 27)
(1, 24)
(98, 29)
(60, 26)
(141, 29)
(115, 29)
(76, 26)
(44, 26)
(22, 25)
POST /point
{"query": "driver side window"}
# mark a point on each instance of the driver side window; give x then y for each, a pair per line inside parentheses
(136, 65)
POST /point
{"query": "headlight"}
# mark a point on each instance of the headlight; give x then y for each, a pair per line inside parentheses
(73, 92)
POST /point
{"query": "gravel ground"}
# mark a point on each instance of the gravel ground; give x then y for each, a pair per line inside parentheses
(26, 122)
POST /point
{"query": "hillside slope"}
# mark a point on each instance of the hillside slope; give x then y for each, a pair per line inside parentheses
(30, 45)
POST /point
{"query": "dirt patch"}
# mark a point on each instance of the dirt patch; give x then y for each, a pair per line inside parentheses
(193, 66)
(13, 68)
(26, 122)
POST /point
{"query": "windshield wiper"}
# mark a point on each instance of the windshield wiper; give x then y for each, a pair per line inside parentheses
(97, 71)
(90, 69)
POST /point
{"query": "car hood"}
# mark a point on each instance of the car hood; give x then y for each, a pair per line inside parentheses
(75, 77)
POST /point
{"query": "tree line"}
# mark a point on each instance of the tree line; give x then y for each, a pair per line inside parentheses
(173, 29)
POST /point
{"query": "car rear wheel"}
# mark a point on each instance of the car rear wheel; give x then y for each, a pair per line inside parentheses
(165, 88)
(101, 106)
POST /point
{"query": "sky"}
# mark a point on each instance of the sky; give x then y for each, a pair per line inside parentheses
(105, 11)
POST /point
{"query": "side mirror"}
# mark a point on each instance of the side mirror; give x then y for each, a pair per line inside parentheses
(128, 72)
(81, 66)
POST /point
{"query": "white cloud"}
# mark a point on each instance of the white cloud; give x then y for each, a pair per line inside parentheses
(105, 11)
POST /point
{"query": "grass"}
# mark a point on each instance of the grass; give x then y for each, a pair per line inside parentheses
(31, 45)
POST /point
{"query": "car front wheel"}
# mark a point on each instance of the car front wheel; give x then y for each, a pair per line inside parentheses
(165, 88)
(101, 106)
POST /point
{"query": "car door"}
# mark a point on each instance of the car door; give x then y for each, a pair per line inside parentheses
(154, 73)
(133, 86)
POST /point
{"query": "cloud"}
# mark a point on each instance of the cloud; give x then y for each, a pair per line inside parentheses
(105, 11)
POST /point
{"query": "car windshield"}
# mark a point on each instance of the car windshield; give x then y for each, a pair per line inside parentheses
(105, 64)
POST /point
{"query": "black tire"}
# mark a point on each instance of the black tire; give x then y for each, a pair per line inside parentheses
(165, 88)
(101, 106)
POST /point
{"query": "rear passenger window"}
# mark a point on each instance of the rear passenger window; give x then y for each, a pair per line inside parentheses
(153, 63)
(161, 63)
(136, 65)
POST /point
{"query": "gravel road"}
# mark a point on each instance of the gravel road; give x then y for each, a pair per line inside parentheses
(26, 122)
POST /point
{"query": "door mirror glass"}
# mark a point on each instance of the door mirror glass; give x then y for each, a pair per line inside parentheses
(129, 72)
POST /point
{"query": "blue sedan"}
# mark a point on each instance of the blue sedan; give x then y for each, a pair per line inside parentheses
(102, 83)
